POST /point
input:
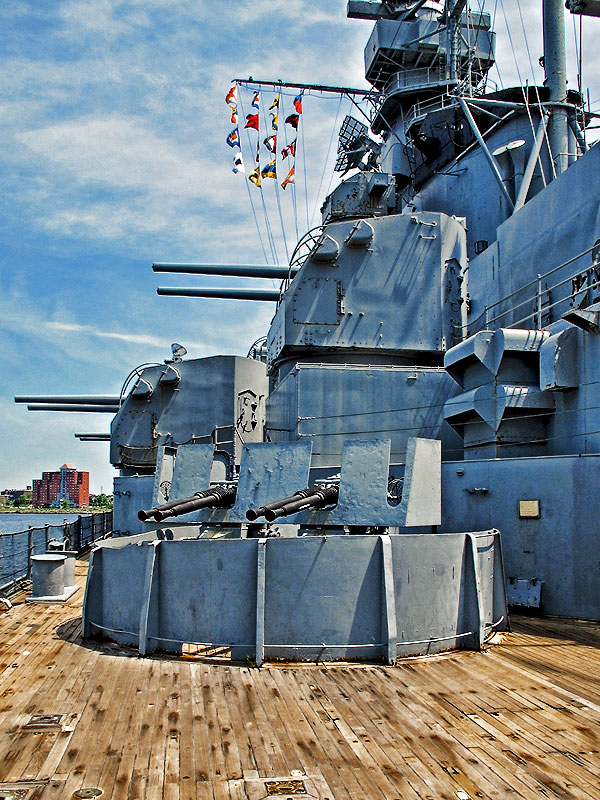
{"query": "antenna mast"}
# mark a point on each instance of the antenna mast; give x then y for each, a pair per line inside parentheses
(555, 67)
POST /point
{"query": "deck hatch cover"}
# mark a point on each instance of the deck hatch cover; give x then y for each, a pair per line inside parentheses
(92, 792)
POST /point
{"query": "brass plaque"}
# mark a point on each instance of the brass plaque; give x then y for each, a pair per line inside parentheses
(529, 509)
(285, 787)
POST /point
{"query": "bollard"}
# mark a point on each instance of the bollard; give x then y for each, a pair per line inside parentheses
(69, 567)
(48, 575)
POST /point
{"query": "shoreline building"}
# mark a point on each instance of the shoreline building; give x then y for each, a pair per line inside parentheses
(65, 484)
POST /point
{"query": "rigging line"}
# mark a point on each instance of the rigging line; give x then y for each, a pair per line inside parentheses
(539, 102)
(577, 59)
(270, 236)
(581, 56)
(293, 163)
(434, 422)
(268, 224)
(246, 181)
(331, 178)
(534, 134)
(437, 421)
(333, 130)
(495, 14)
(472, 57)
(454, 399)
(497, 444)
(285, 245)
(512, 47)
(276, 188)
(526, 42)
(301, 125)
(257, 164)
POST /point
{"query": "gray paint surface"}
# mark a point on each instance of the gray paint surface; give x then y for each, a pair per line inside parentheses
(304, 598)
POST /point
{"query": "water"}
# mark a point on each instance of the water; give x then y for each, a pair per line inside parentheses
(13, 549)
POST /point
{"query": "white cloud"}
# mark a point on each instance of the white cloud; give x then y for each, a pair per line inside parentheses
(120, 152)
(133, 338)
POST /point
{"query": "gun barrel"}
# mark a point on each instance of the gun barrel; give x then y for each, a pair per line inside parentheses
(234, 270)
(222, 293)
(89, 409)
(324, 495)
(93, 437)
(254, 513)
(145, 514)
(71, 399)
(217, 497)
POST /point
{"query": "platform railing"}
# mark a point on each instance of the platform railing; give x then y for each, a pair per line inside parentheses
(18, 548)
(536, 303)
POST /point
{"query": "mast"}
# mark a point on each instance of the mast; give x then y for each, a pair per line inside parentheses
(555, 67)
(454, 10)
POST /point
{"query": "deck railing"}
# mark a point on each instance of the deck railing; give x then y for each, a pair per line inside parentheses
(17, 549)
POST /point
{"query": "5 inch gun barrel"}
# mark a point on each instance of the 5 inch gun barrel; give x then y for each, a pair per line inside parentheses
(232, 270)
(313, 497)
(220, 292)
(217, 496)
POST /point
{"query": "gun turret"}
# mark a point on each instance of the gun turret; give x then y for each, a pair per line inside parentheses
(217, 496)
(324, 494)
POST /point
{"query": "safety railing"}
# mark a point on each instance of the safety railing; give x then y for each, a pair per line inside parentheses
(536, 303)
(17, 548)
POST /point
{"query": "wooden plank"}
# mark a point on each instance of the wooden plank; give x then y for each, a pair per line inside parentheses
(187, 766)
(134, 783)
(199, 736)
(118, 723)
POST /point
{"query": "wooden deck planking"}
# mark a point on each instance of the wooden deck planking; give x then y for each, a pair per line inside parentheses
(520, 720)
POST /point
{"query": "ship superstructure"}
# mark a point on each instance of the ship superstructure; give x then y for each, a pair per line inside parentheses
(428, 378)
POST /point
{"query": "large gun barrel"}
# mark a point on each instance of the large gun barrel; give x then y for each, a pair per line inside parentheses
(86, 409)
(313, 497)
(92, 437)
(71, 399)
(232, 270)
(225, 294)
(217, 496)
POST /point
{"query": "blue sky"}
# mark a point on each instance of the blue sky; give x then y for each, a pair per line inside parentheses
(114, 156)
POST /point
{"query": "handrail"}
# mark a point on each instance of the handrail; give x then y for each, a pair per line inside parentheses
(483, 320)
(77, 535)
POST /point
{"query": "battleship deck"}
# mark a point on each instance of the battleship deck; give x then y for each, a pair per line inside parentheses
(521, 719)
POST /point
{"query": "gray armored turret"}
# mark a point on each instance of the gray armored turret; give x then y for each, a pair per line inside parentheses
(429, 379)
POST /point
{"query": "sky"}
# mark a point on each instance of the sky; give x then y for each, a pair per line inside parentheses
(113, 127)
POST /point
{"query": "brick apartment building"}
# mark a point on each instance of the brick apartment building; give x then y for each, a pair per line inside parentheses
(66, 484)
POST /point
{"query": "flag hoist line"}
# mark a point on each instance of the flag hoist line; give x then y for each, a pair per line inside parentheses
(269, 171)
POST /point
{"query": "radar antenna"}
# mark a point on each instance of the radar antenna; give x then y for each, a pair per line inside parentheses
(353, 144)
